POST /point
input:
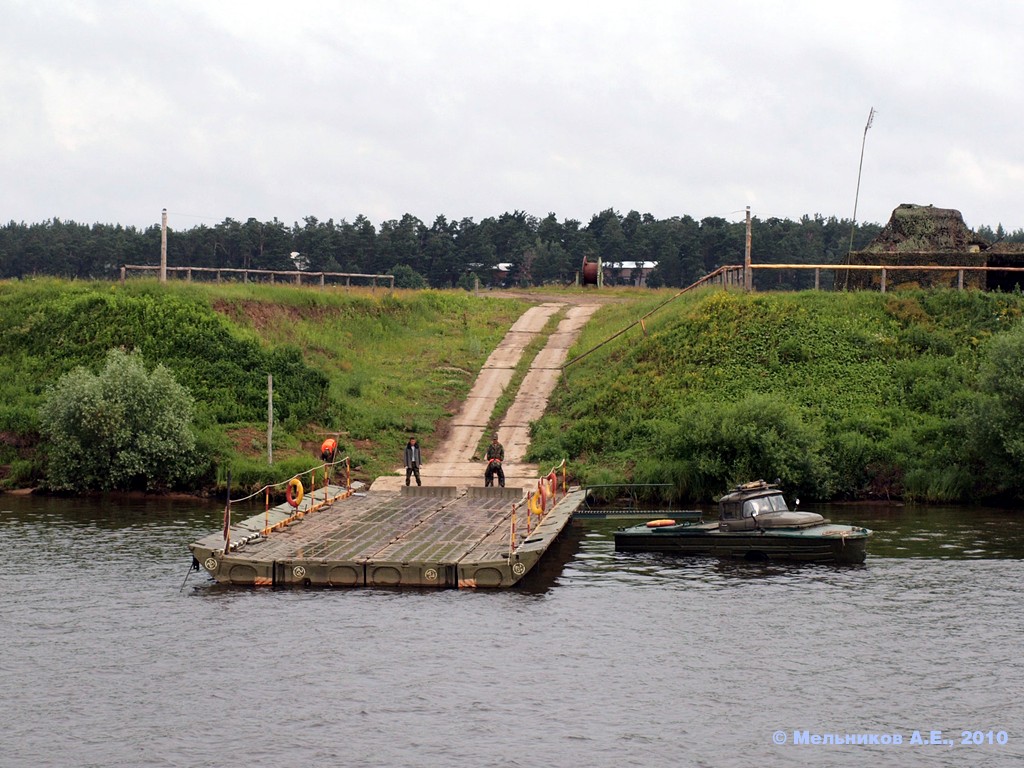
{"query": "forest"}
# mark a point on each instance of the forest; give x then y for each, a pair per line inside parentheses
(446, 253)
(442, 255)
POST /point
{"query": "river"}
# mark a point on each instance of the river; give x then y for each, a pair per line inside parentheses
(600, 659)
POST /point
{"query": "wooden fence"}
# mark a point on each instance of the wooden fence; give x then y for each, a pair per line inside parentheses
(730, 276)
(298, 277)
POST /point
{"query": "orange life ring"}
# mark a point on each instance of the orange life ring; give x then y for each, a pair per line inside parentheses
(660, 523)
(553, 482)
(535, 507)
(542, 491)
(294, 492)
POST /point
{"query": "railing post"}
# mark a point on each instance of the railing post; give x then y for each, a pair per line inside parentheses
(748, 272)
(817, 279)
(960, 280)
(883, 279)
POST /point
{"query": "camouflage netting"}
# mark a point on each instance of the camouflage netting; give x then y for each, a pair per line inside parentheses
(920, 235)
(925, 228)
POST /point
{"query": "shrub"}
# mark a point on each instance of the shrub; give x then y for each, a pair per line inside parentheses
(759, 437)
(995, 420)
(407, 277)
(124, 428)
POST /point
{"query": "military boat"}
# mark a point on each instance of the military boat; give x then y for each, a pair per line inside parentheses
(754, 523)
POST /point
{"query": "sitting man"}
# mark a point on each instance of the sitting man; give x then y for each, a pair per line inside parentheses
(495, 455)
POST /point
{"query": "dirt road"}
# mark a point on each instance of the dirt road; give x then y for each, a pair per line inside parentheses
(451, 462)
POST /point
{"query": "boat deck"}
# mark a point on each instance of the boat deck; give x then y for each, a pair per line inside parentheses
(436, 536)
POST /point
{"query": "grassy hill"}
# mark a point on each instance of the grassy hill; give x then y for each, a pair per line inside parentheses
(848, 395)
(916, 394)
(372, 366)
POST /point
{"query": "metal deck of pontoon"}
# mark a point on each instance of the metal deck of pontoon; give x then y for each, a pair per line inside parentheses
(437, 536)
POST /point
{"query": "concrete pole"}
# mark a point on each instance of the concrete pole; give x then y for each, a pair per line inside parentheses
(748, 273)
(163, 246)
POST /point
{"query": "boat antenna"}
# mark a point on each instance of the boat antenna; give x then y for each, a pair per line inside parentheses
(856, 197)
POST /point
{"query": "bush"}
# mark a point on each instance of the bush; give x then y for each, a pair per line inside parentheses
(995, 420)
(759, 437)
(124, 428)
(407, 277)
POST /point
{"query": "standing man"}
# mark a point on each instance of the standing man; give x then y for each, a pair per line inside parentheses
(412, 460)
(495, 455)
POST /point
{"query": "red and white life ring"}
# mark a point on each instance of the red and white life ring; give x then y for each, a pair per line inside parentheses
(294, 492)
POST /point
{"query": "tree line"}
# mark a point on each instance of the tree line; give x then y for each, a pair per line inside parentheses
(445, 253)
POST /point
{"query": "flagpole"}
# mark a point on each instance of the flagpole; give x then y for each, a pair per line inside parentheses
(853, 224)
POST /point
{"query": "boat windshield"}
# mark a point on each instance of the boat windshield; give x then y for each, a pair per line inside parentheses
(765, 504)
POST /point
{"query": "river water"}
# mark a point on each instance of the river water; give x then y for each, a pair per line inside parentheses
(601, 659)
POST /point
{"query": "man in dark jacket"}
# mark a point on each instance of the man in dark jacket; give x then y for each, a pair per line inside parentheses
(495, 455)
(412, 460)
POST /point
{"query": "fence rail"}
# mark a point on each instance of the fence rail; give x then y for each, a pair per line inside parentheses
(733, 275)
(296, 276)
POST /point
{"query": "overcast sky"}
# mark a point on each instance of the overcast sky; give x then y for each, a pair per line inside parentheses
(113, 110)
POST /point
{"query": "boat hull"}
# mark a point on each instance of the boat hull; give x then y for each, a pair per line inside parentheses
(829, 543)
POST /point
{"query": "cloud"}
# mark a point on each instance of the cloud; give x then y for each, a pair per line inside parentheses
(334, 109)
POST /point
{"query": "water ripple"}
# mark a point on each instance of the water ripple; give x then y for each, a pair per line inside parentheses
(607, 660)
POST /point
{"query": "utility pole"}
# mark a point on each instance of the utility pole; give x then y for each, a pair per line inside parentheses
(853, 224)
(748, 273)
(163, 246)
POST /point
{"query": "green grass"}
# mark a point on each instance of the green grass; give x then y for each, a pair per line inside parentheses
(913, 394)
(370, 365)
(839, 395)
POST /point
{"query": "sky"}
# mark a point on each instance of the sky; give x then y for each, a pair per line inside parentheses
(116, 109)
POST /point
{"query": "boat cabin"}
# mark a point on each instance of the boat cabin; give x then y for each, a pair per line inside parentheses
(759, 505)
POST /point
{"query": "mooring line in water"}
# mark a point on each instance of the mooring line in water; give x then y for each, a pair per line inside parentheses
(192, 567)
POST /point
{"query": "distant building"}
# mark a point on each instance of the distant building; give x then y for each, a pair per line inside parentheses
(628, 272)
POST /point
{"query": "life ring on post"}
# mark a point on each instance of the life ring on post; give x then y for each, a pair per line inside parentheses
(553, 484)
(294, 492)
(534, 504)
